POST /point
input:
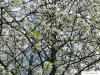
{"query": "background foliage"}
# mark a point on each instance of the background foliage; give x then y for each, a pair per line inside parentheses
(49, 37)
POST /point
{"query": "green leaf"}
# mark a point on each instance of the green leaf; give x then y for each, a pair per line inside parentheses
(47, 65)
(16, 2)
(38, 45)
(97, 2)
(31, 34)
(94, 18)
(37, 34)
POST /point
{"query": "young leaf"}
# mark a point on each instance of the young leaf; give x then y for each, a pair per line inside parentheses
(37, 34)
(16, 2)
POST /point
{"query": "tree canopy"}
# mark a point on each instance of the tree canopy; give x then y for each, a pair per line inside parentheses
(49, 37)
